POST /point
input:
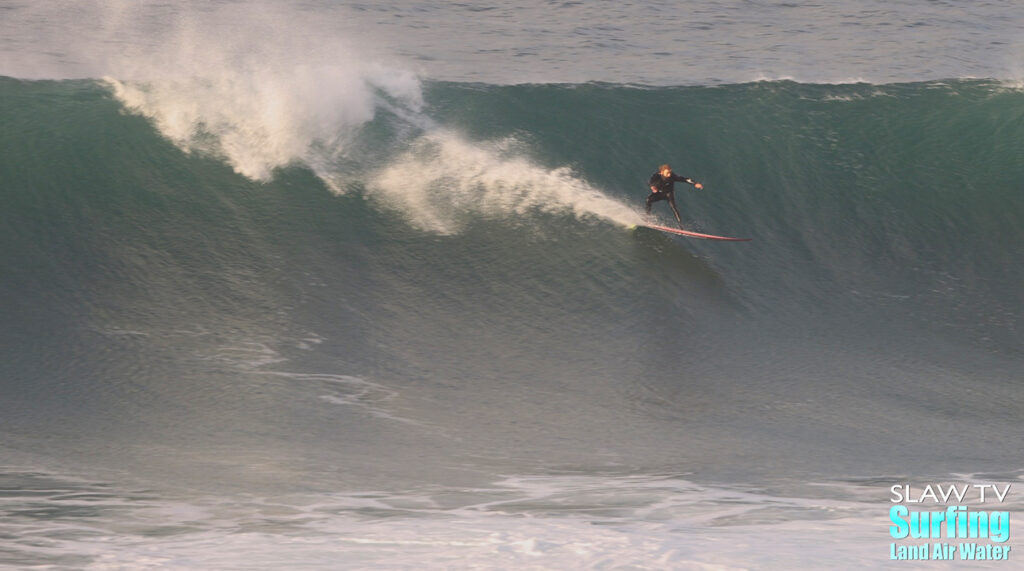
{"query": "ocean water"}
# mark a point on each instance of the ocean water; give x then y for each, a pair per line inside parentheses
(320, 285)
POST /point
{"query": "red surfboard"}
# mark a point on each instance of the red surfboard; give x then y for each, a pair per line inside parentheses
(694, 234)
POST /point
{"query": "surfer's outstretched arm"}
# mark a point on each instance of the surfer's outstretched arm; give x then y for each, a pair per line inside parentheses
(688, 180)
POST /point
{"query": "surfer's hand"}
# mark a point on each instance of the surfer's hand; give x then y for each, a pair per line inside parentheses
(698, 186)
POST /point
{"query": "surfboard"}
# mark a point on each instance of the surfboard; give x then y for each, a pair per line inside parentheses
(692, 234)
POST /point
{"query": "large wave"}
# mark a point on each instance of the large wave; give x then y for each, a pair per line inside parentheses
(218, 208)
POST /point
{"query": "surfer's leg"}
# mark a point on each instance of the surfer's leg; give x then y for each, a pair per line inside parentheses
(672, 203)
(651, 199)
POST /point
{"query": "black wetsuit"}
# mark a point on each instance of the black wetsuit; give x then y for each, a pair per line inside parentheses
(666, 187)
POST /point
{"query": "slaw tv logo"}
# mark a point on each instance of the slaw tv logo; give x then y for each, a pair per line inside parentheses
(955, 532)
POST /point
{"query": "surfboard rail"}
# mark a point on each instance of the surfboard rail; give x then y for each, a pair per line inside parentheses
(692, 234)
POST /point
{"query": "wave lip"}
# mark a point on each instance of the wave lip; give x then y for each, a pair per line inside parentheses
(264, 95)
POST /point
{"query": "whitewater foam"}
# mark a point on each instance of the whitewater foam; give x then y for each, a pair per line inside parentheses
(536, 522)
(443, 181)
(273, 91)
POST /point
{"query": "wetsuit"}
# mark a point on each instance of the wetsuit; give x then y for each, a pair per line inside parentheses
(666, 187)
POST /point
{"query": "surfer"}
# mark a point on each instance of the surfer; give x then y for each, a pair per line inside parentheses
(662, 185)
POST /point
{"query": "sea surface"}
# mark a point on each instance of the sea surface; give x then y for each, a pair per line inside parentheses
(337, 285)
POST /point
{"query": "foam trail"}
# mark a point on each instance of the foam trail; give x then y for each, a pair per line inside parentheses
(443, 181)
